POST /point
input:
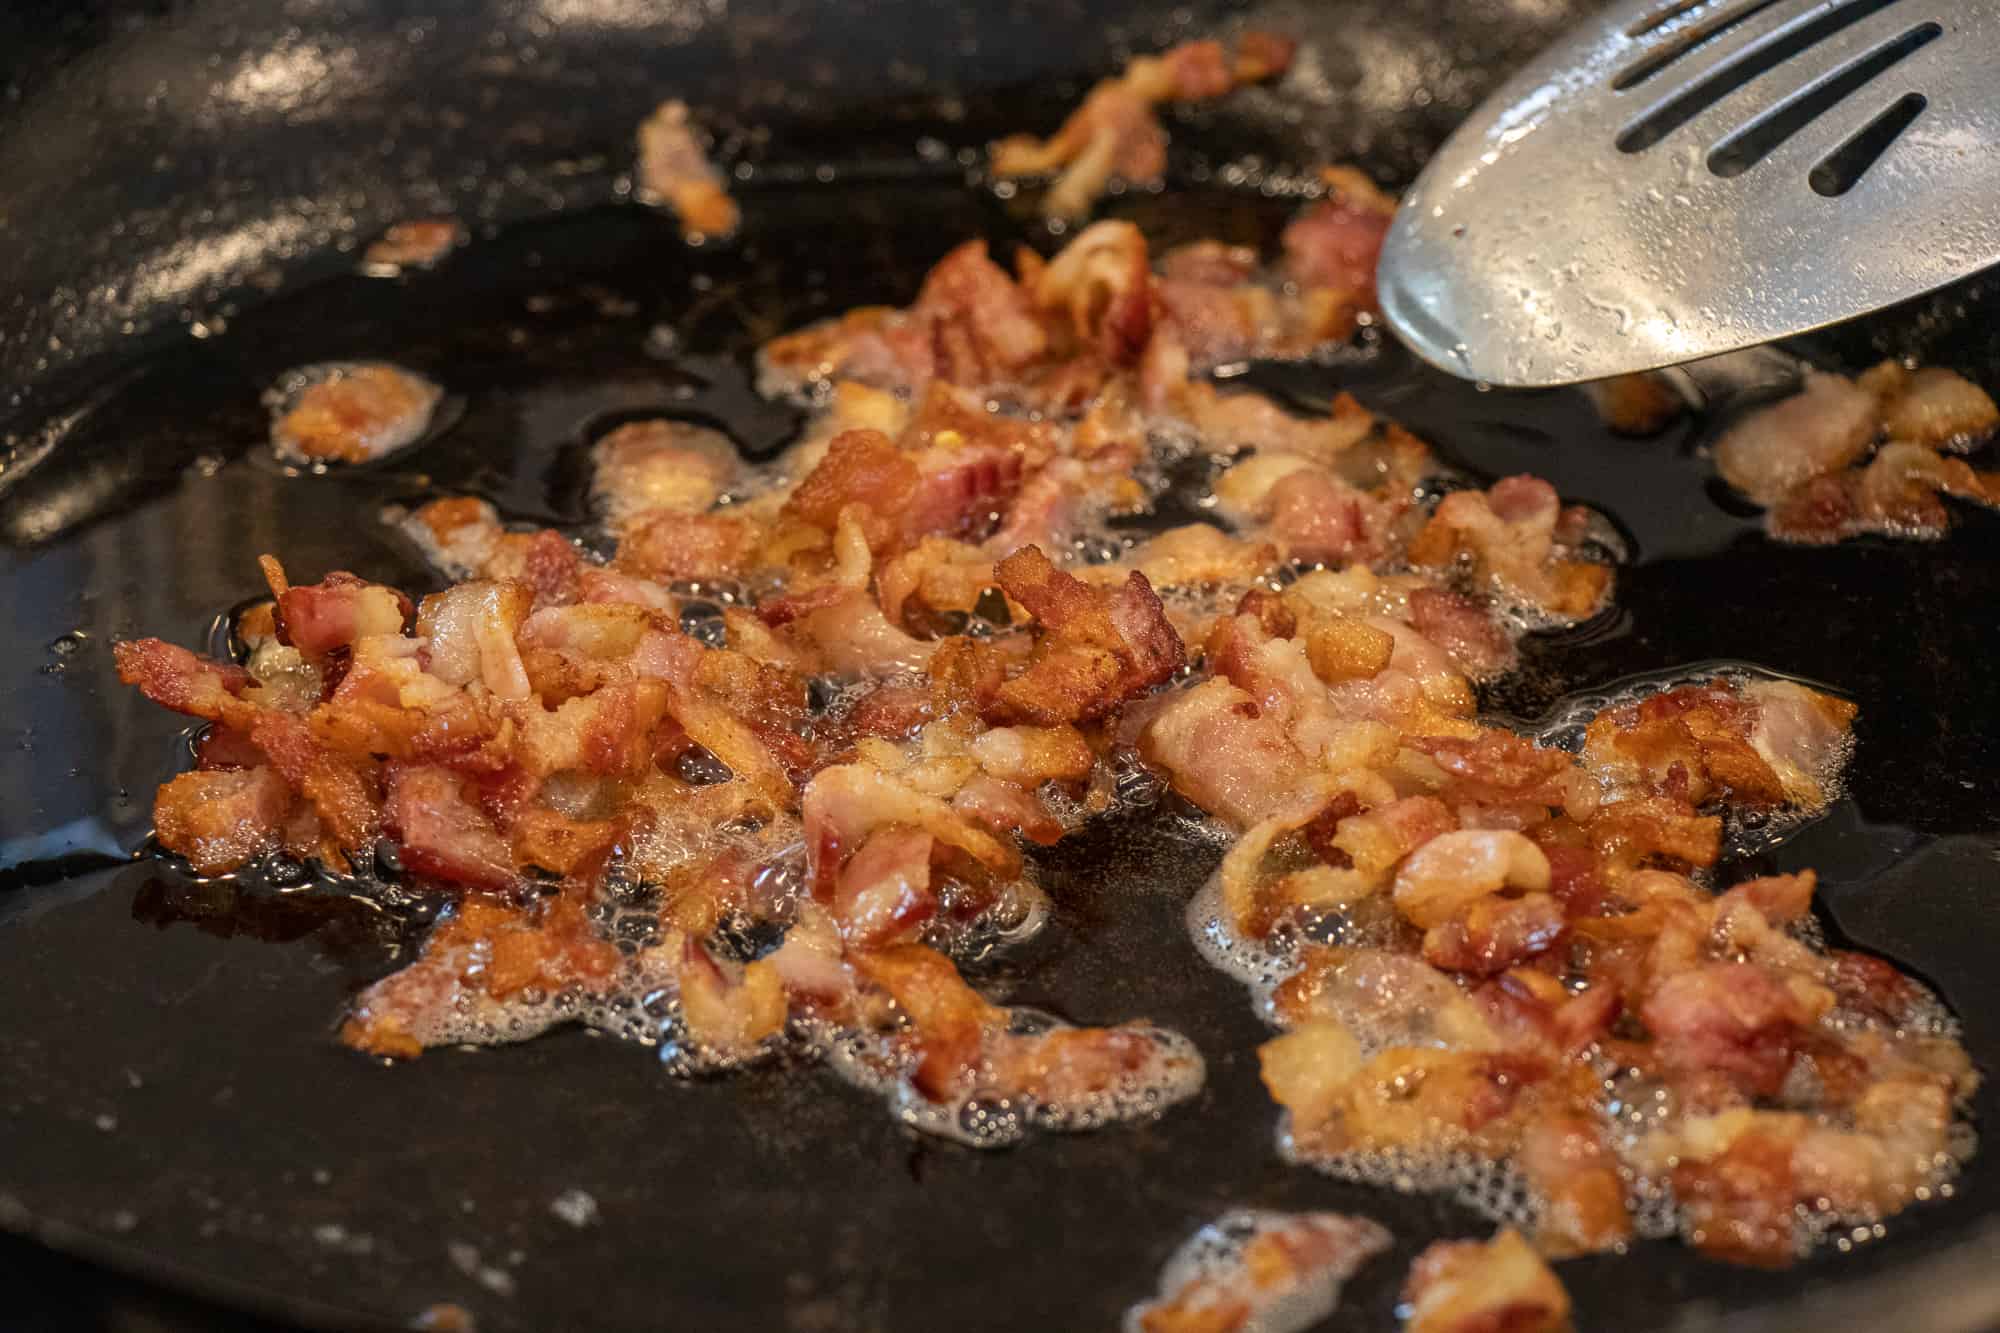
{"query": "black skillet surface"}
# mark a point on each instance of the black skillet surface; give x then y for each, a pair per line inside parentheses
(170, 1099)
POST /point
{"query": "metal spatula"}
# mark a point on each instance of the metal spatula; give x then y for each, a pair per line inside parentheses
(1683, 178)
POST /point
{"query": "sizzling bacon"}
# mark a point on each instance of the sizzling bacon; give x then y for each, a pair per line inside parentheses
(674, 171)
(221, 819)
(1821, 429)
(351, 413)
(1101, 647)
(418, 243)
(934, 653)
(1498, 1286)
(1510, 535)
(1226, 1282)
(1115, 131)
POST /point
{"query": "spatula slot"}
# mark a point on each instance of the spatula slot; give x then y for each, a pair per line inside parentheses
(1751, 144)
(1754, 60)
(1839, 170)
(1695, 35)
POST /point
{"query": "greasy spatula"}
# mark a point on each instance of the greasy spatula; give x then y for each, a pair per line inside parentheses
(1683, 178)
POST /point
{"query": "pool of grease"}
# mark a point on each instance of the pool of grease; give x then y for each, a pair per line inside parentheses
(171, 1098)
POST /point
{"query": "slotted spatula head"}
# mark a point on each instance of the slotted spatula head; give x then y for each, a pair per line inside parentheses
(1683, 178)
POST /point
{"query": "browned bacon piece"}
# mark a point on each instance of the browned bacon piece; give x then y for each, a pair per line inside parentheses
(1495, 1286)
(352, 413)
(1116, 132)
(1511, 534)
(330, 615)
(1738, 1018)
(418, 243)
(443, 834)
(222, 819)
(674, 170)
(1098, 648)
(1225, 1281)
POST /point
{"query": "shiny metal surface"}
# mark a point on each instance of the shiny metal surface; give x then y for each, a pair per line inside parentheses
(1675, 180)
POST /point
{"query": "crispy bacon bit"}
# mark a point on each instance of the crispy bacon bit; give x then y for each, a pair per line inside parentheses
(1498, 1286)
(1806, 458)
(350, 413)
(443, 833)
(883, 893)
(1455, 871)
(1642, 404)
(221, 819)
(1492, 934)
(419, 243)
(340, 609)
(1115, 131)
(673, 170)
(1101, 285)
(950, 1018)
(1463, 629)
(1762, 744)
(981, 324)
(1102, 647)
(1238, 1272)
(669, 546)
(1509, 533)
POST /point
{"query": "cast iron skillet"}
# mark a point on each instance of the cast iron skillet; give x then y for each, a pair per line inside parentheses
(180, 187)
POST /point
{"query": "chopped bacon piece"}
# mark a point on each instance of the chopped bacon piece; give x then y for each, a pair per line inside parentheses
(674, 170)
(1334, 245)
(861, 468)
(883, 894)
(670, 545)
(1509, 532)
(175, 678)
(1735, 1017)
(1498, 1286)
(1492, 934)
(1737, 1188)
(1933, 406)
(1101, 283)
(982, 324)
(1224, 1281)
(484, 951)
(418, 243)
(1463, 629)
(1319, 518)
(443, 834)
(1115, 131)
(1098, 648)
(321, 618)
(1457, 870)
(1642, 404)
(846, 804)
(645, 466)
(1224, 753)
(351, 413)
(220, 819)
(1828, 424)
(732, 1009)
(1007, 807)
(1567, 1162)
(1034, 755)
(949, 1017)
